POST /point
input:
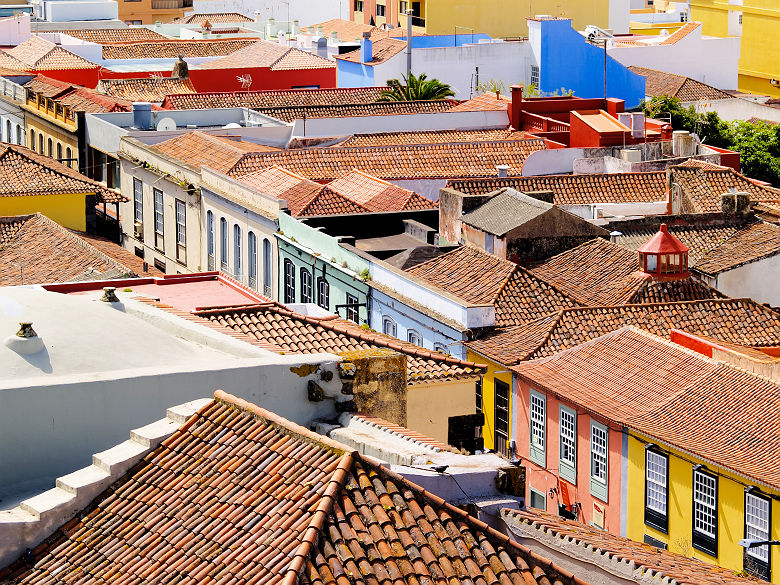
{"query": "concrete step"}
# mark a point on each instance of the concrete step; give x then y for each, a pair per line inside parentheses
(119, 458)
(93, 478)
(155, 433)
(47, 502)
(182, 412)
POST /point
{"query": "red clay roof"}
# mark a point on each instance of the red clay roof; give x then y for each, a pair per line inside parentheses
(38, 54)
(240, 495)
(266, 54)
(346, 30)
(113, 35)
(381, 50)
(702, 187)
(487, 102)
(663, 242)
(377, 195)
(145, 89)
(199, 149)
(274, 98)
(213, 17)
(675, 395)
(398, 162)
(167, 48)
(686, 89)
(431, 137)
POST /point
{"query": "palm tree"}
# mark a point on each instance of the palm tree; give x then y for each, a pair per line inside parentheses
(415, 89)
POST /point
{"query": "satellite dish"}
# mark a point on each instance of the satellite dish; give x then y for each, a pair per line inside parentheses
(663, 33)
(166, 124)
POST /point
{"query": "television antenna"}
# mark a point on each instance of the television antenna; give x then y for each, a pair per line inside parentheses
(245, 81)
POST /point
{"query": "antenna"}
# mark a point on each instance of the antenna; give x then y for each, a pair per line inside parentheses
(245, 81)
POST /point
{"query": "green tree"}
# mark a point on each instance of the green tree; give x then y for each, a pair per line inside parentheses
(758, 144)
(415, 88)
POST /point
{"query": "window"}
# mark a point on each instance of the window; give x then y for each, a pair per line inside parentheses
(440, 347)
(32, 140)
(251, 259)
(210, 239)
(69, 156)
(353, 311)
(489, 243)
(598, 460)
(181, 231)
(705, 512)
(567, 465)
(237, 268)
(403, 6)
(19, 135)
(8, 131)
(757, 522)
(159, 224)
(267, 268)
(138, 200)
(223, 245)
(535, 76)
(358, 5)
(59, 151)
(40, 144)
(380, 9)
(538, 499)
(479, 396)
(306, 292)
(656, 489)
(388, 326)
(414, 337)
(501, 416)
(538, 416)
(323, 293)
(289, 281)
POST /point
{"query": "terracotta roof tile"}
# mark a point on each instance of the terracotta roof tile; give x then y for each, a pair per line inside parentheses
(740, 321)
(673, 394)
(431, 137)
(577, 189)
(382, 49)
(681, 33)
(23, 173)
(398, 162)
(286, 331)
(290, 113)
(213, 18)
(167, 48)
(702, 187)
(487, 102)
(76, 97)
(650, 560)
(145, 89)
(274, 99)
(240, 495)
(36, 250)
(114, 35)
(199, 149)
(659, 83)
(254, 53)
(346, 30)
(377, 195)
(38, 54)
(599, 272)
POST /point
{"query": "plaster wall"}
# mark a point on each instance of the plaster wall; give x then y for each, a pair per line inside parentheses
(757, 280)
(16, 30)
(428, 188)
(429, 406)
(68, 210)
(306, 12)
(59, 11)
(494, 372)
(737, 109)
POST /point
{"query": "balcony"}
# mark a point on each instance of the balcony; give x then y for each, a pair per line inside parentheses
(171, 4)
(417, 21)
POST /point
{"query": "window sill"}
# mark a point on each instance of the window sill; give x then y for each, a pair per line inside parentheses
(660, 527)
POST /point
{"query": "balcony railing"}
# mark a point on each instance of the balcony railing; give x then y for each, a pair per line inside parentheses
(417, 21)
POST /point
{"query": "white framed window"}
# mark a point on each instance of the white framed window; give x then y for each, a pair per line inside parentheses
(306, 286)
(656, 489)
(323, 293)
(705, 512)
(352, 310)
(567, 466)
(599, 453)
(388, 326)
(535, 76)
(223, 244)
(380, 9)
(440, 347)
(251, 259)
(210, 238)
(289, 281)
(414, 337)
(159, 224)
(138, 200)
(537, 499)
(757, 516)
(538, 416)
(237, 267)
(267, 268)
(181, 223)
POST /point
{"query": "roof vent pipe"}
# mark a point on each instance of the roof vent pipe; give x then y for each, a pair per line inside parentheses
(25, 341)
(109, 295)
(616, 237)
(503, 171)
(142, 115)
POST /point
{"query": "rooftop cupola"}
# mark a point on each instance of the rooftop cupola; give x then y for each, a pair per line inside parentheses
(664, 257)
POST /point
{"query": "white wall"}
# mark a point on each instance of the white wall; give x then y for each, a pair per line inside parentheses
(738, 109)
(711, 60)
(307, 12)
(64, 11)
(619, 16)
(14, 31)
(757, 280)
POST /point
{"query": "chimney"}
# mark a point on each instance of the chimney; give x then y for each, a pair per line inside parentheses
(503, 171)
(142, 115)
(296, 28)
(26, 341)
(735, 203)
(516, 107)
(180, 69)
(366, 48)
(258, 16)
(616, 237)
(109, 295)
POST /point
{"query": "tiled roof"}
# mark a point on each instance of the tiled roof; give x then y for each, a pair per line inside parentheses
(213, 18)
(681, 33)
(714, 247)
(702, 187)
(346, 30)
(145, 89)
(402, 432)
(23, 173)
(114, 35)
(283, 330)
(35, 249)
(740, 321)
(377, 195)
(505, 211)
(659, 83)
(274, 99)
(199, 149)
(650, 560)
(290, 113)
(431, 137)
(599, 272)
(381, 50)
(481, 278)
(168, 48)
(399, 162)
(577, 189)
(673, 394)
(240, 495)
(487, 102)
(267, 54)
(76, 97)
(38, 54)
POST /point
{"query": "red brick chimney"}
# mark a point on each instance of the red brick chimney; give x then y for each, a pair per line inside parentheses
(516, 107)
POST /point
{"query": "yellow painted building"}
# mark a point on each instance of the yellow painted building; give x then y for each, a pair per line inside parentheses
(151, 11)
(497, 18)
(757, 22)
(51, 127)
(495, 435)
(67, 209)
(731, 495)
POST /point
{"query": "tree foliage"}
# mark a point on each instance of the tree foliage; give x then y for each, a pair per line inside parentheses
(415, 88)
(758, 144)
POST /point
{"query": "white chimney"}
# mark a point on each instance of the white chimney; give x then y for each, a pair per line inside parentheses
(503, 170)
